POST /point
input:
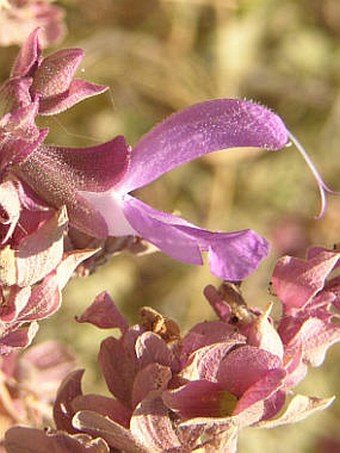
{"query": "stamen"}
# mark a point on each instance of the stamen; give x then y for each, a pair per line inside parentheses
(322, 186)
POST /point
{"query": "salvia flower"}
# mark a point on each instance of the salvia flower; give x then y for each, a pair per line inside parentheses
(184, 136)
(174, 393)
(94, 183)
(47, 191)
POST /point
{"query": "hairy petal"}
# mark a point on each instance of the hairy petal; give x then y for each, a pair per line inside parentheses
(58, 175)
(201, 129)
(232, 256)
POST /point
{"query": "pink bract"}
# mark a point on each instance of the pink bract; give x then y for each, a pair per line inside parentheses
(173, 393)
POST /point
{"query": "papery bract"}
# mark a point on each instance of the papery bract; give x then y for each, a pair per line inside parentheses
(310, 302)
(179, 394)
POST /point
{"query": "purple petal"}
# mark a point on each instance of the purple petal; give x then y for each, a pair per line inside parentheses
(201, 129)
(28, 57)
(232, 256)
(95, 168)
(77, 92)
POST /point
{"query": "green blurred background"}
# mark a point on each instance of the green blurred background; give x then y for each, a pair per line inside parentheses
(158, 56)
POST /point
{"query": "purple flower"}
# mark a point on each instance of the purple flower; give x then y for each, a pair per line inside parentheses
(95, 183)
(184, 136)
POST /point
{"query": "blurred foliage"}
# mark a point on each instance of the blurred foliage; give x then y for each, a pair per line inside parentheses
(158, 56)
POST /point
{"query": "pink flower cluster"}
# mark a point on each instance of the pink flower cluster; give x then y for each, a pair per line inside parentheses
(181, 393)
